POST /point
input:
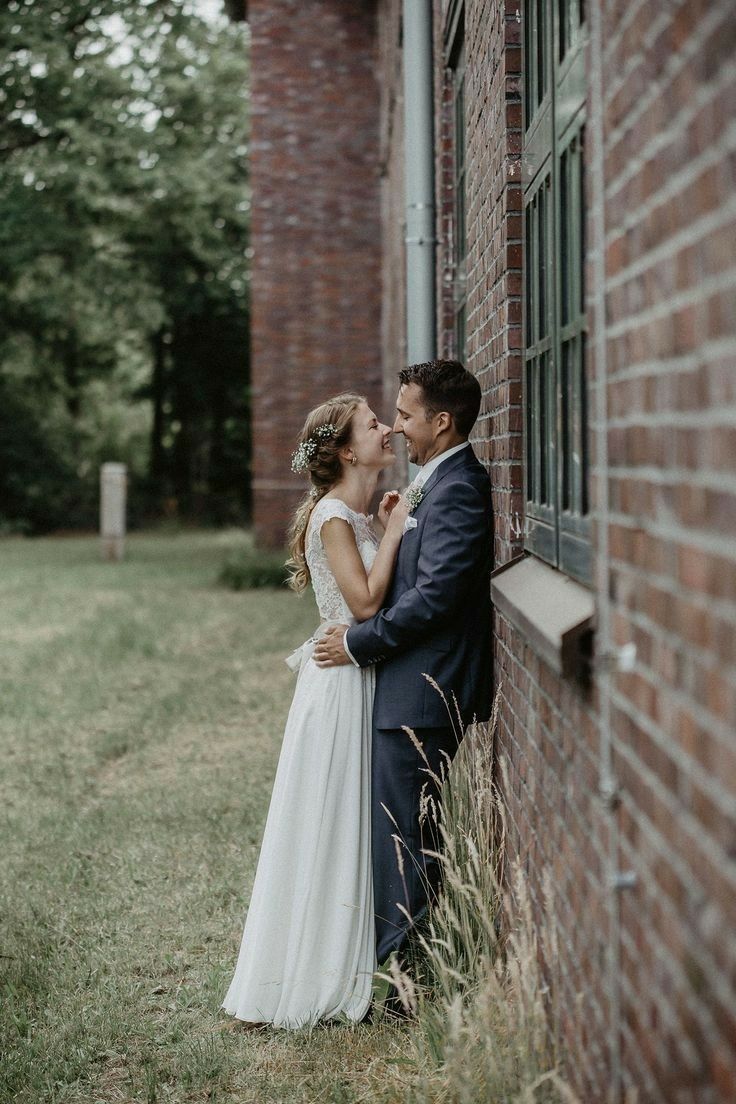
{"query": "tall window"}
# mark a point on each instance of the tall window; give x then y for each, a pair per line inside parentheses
(555, 404)
(459, 281)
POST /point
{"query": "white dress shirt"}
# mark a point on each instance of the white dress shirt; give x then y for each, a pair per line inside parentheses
(426, 470)
(418, 481)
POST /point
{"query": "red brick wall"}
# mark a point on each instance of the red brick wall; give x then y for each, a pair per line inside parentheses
(669, 89)
(316, 273)
(493, 199)
(547, 728)
(645, 975)
(444, 186)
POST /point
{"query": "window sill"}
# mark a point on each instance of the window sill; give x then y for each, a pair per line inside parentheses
(553, 613)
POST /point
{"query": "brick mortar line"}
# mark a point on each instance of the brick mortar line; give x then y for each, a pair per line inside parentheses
(711, 418)
(713, 348)
(699, 477)
(573, 971)
(639, 1070)
(591, 756)
(686, 874)
(723, 798)
(718, 855)
(502, 332)
(718, 728)
(681, 537)
(564, 934)
(586, 828)
(726, 996)
(673, 67)
(667, 961)
(636, 1072)
(678, 182)
(664, 308)
(699, 1010)
(673, 640)
(567, 934)
(665, 582)
(631, 14)
(692, 234)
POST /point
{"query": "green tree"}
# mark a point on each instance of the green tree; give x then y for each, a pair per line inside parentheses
(123, 234)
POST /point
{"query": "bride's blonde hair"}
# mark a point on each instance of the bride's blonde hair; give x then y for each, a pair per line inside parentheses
(328, 429)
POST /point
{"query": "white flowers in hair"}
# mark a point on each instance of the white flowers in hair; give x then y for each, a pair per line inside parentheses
(304, 455)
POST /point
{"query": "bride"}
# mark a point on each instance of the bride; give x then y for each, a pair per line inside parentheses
(308, 949)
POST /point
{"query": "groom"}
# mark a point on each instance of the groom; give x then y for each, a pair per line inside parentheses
(437, 621)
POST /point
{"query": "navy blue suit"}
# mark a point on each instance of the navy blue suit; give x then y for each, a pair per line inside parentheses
(437, 621)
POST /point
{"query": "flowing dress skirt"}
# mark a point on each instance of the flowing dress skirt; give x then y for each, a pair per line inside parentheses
(308, 948)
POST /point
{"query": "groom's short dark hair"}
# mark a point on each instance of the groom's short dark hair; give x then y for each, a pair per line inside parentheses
(446, 385)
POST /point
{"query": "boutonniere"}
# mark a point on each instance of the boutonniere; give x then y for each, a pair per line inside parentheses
(414, 496)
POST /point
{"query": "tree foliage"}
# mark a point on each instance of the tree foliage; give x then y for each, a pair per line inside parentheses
(123, 256)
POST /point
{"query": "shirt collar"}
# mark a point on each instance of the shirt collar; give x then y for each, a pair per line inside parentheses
(426, 470)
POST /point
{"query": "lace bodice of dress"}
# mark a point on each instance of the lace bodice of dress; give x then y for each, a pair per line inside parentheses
(330, 602)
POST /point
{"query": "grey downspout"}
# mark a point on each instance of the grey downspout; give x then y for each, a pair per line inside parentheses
(419, 187)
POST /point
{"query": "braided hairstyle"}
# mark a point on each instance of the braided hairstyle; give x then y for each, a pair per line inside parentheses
(319, 455)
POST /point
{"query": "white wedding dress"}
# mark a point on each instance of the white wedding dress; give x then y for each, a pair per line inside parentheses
(308, 949)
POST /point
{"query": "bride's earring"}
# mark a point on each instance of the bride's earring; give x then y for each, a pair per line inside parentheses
(354, 460)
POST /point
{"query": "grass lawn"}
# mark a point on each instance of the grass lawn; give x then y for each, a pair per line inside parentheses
(141, 719)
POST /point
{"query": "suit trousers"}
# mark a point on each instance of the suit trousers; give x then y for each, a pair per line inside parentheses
(404, 803)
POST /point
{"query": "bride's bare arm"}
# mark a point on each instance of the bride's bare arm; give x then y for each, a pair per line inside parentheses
(363, 591)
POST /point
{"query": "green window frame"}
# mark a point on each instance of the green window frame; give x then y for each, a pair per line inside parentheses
(556, 462)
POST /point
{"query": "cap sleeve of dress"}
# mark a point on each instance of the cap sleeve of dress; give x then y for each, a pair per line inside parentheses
(325, 510)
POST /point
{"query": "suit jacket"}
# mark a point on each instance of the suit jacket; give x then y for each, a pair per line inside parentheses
(437, 619)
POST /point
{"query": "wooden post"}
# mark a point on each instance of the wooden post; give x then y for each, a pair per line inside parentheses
(113, 485)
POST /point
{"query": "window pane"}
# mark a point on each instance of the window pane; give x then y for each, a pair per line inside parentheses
(542, 260)
(580, 452)
(566, 404)
(529, 269)
(541, 51)
(543, 432)
(572, 233)
(570, 18)
(563, 16)
(565, 251)
(580, 206)
(531, 482)
(530, 94)
(555, 423)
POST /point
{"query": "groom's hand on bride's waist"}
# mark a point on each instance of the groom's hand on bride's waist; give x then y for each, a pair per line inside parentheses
(330, 649)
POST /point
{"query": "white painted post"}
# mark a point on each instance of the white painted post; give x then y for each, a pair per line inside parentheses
(113, 485)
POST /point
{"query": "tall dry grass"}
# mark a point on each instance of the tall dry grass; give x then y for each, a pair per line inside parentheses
(485, 1025)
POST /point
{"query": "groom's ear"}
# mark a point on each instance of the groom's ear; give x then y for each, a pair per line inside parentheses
(443, 421)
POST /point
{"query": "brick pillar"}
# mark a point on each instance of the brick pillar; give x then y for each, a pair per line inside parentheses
(316, 280)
